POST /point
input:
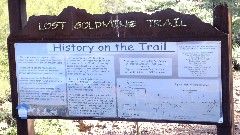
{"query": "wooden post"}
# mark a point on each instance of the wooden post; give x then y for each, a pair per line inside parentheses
(22, 127)
(17, 15)
(17, 20)
(30, 126)
(222, 20)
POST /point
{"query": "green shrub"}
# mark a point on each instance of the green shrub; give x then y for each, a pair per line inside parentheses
(7, 123)
(55, 127)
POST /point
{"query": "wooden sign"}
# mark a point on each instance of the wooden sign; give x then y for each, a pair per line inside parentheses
(163, 67)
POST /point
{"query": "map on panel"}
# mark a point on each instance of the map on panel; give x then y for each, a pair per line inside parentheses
(179, 81)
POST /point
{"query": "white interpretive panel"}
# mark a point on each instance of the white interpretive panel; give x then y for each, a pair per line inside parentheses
(165, 98)
(91, 86)
(146, 66)
(177, 81)
(199, 59)
(41, 79)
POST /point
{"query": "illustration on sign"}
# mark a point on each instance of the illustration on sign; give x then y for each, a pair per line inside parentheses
(22, 110)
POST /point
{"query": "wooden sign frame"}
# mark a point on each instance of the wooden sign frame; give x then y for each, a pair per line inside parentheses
(192, 30)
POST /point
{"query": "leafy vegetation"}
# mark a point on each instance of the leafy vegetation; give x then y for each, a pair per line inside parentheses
(55, 127)
(54, 7)
(203, 9)
(4, 32)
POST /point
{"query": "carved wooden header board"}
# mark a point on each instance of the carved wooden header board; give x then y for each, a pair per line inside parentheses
(161, 67)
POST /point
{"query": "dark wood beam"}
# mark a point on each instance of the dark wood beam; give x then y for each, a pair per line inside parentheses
(222, 20)
(17, 20)
(22, 127)
(17, 15)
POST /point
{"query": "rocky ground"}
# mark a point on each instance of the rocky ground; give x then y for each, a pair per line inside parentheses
(145, 128)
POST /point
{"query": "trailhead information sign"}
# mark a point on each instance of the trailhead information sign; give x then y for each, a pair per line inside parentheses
(178, 81)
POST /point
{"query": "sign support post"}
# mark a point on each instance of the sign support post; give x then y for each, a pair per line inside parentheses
(17, 15)
(17, 20)
(222, 21)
